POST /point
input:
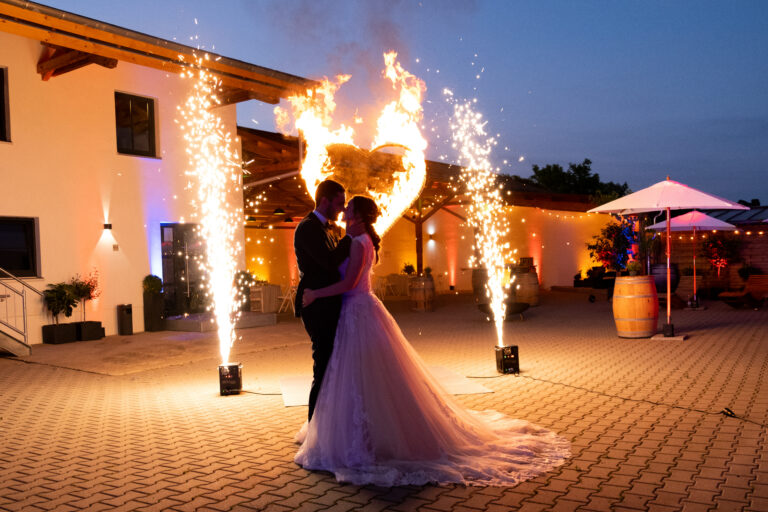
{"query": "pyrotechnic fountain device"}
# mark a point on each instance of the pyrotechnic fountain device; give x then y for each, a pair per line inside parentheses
(486, 215)
(215, 173)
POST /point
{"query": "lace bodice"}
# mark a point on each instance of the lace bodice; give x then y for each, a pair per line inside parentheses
(369, 255)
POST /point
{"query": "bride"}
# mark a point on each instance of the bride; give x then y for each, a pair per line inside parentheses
(382, 419)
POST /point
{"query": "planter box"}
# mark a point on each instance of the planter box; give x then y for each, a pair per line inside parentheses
(87, 331)
(153, 312)
(61, 333)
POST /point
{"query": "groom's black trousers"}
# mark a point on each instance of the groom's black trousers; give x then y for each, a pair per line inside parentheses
(320, 320)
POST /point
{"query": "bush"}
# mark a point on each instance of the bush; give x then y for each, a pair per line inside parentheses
(152, 284)
(59, 298)
(748, 270)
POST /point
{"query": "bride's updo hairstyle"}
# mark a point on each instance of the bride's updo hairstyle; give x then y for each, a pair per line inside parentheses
(366, 209)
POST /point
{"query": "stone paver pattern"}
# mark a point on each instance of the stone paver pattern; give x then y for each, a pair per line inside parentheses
(136, 422)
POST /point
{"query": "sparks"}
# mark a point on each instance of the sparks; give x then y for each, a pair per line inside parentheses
(486, 209)
(215, 173)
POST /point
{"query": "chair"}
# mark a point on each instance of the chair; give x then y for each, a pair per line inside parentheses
(257, 299)
(287, 299)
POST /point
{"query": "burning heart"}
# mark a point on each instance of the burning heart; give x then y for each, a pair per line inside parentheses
(393, 173)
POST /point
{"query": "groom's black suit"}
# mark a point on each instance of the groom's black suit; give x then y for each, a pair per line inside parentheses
(318, 254)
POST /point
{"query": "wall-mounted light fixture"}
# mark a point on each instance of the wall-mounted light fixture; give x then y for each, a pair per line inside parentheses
(431, 236)
(278, 211)
(107, 226)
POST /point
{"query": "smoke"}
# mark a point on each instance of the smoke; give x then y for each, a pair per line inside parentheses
(350, 37)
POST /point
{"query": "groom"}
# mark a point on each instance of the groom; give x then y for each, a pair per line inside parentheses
(318, 255)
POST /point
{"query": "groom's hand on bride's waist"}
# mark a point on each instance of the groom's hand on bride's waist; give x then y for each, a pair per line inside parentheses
(308, 297)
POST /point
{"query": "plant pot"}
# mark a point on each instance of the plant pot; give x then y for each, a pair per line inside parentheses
(153, 311)
(659, 273)
(59, 333)
(86, 331)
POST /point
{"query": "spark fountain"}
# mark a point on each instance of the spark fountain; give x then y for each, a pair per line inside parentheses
(216, 175)
(486, 216)
(393, 180)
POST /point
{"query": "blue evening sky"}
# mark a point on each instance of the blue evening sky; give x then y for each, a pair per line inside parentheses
(644, 89)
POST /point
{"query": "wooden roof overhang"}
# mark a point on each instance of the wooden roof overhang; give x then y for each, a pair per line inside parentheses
(72, 41)
(280, 198)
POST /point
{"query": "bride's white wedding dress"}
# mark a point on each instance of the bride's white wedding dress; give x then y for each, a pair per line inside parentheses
(382, 419)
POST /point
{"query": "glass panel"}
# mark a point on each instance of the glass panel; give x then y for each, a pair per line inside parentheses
(123, 123)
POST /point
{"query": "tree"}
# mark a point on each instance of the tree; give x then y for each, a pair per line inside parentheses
(578, 179)
(720, 250)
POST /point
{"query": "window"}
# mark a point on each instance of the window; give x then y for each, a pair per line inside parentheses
(19, 246)
(135, 121)
(5, 129)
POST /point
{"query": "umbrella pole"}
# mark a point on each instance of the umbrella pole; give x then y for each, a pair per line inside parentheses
(669, 329)
(695, 298)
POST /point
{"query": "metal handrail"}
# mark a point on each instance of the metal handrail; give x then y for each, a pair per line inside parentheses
(23, 294)
(22, 283)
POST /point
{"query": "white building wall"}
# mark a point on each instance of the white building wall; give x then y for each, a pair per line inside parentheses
(62, 166)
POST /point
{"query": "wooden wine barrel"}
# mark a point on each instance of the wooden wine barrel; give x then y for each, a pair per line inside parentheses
(526, 287)
(635, 307)
(423, 293)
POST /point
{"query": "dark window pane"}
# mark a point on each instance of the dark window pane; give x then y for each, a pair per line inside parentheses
(135, 124)
(18, 246)
(3, 105)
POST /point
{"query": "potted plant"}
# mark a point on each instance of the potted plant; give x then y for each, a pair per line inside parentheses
(409, 269)
(153, 303)
(86, 289)
(634, 268)
(58, 299)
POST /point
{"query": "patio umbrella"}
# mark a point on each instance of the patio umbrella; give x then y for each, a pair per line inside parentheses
(667, 195)
(692, 221)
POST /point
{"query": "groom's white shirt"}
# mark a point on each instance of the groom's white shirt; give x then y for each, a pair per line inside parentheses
(320, 216)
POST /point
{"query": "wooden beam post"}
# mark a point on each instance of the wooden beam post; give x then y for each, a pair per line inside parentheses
(418, 227)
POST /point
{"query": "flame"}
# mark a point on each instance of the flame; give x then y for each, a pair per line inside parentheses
(486, 209)
(215, 171)
(397, 126)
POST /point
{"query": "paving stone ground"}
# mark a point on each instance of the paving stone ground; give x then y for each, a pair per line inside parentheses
(136, 423)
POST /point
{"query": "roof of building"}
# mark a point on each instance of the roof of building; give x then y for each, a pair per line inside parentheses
(73, 41)
(755, 215)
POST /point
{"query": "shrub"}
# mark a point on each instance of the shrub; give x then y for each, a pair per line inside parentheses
(59, 298)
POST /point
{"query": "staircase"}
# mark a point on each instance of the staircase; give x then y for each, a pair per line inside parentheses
(13, 314)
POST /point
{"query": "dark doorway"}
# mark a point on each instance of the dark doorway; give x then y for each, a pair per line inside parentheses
(183, 251)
